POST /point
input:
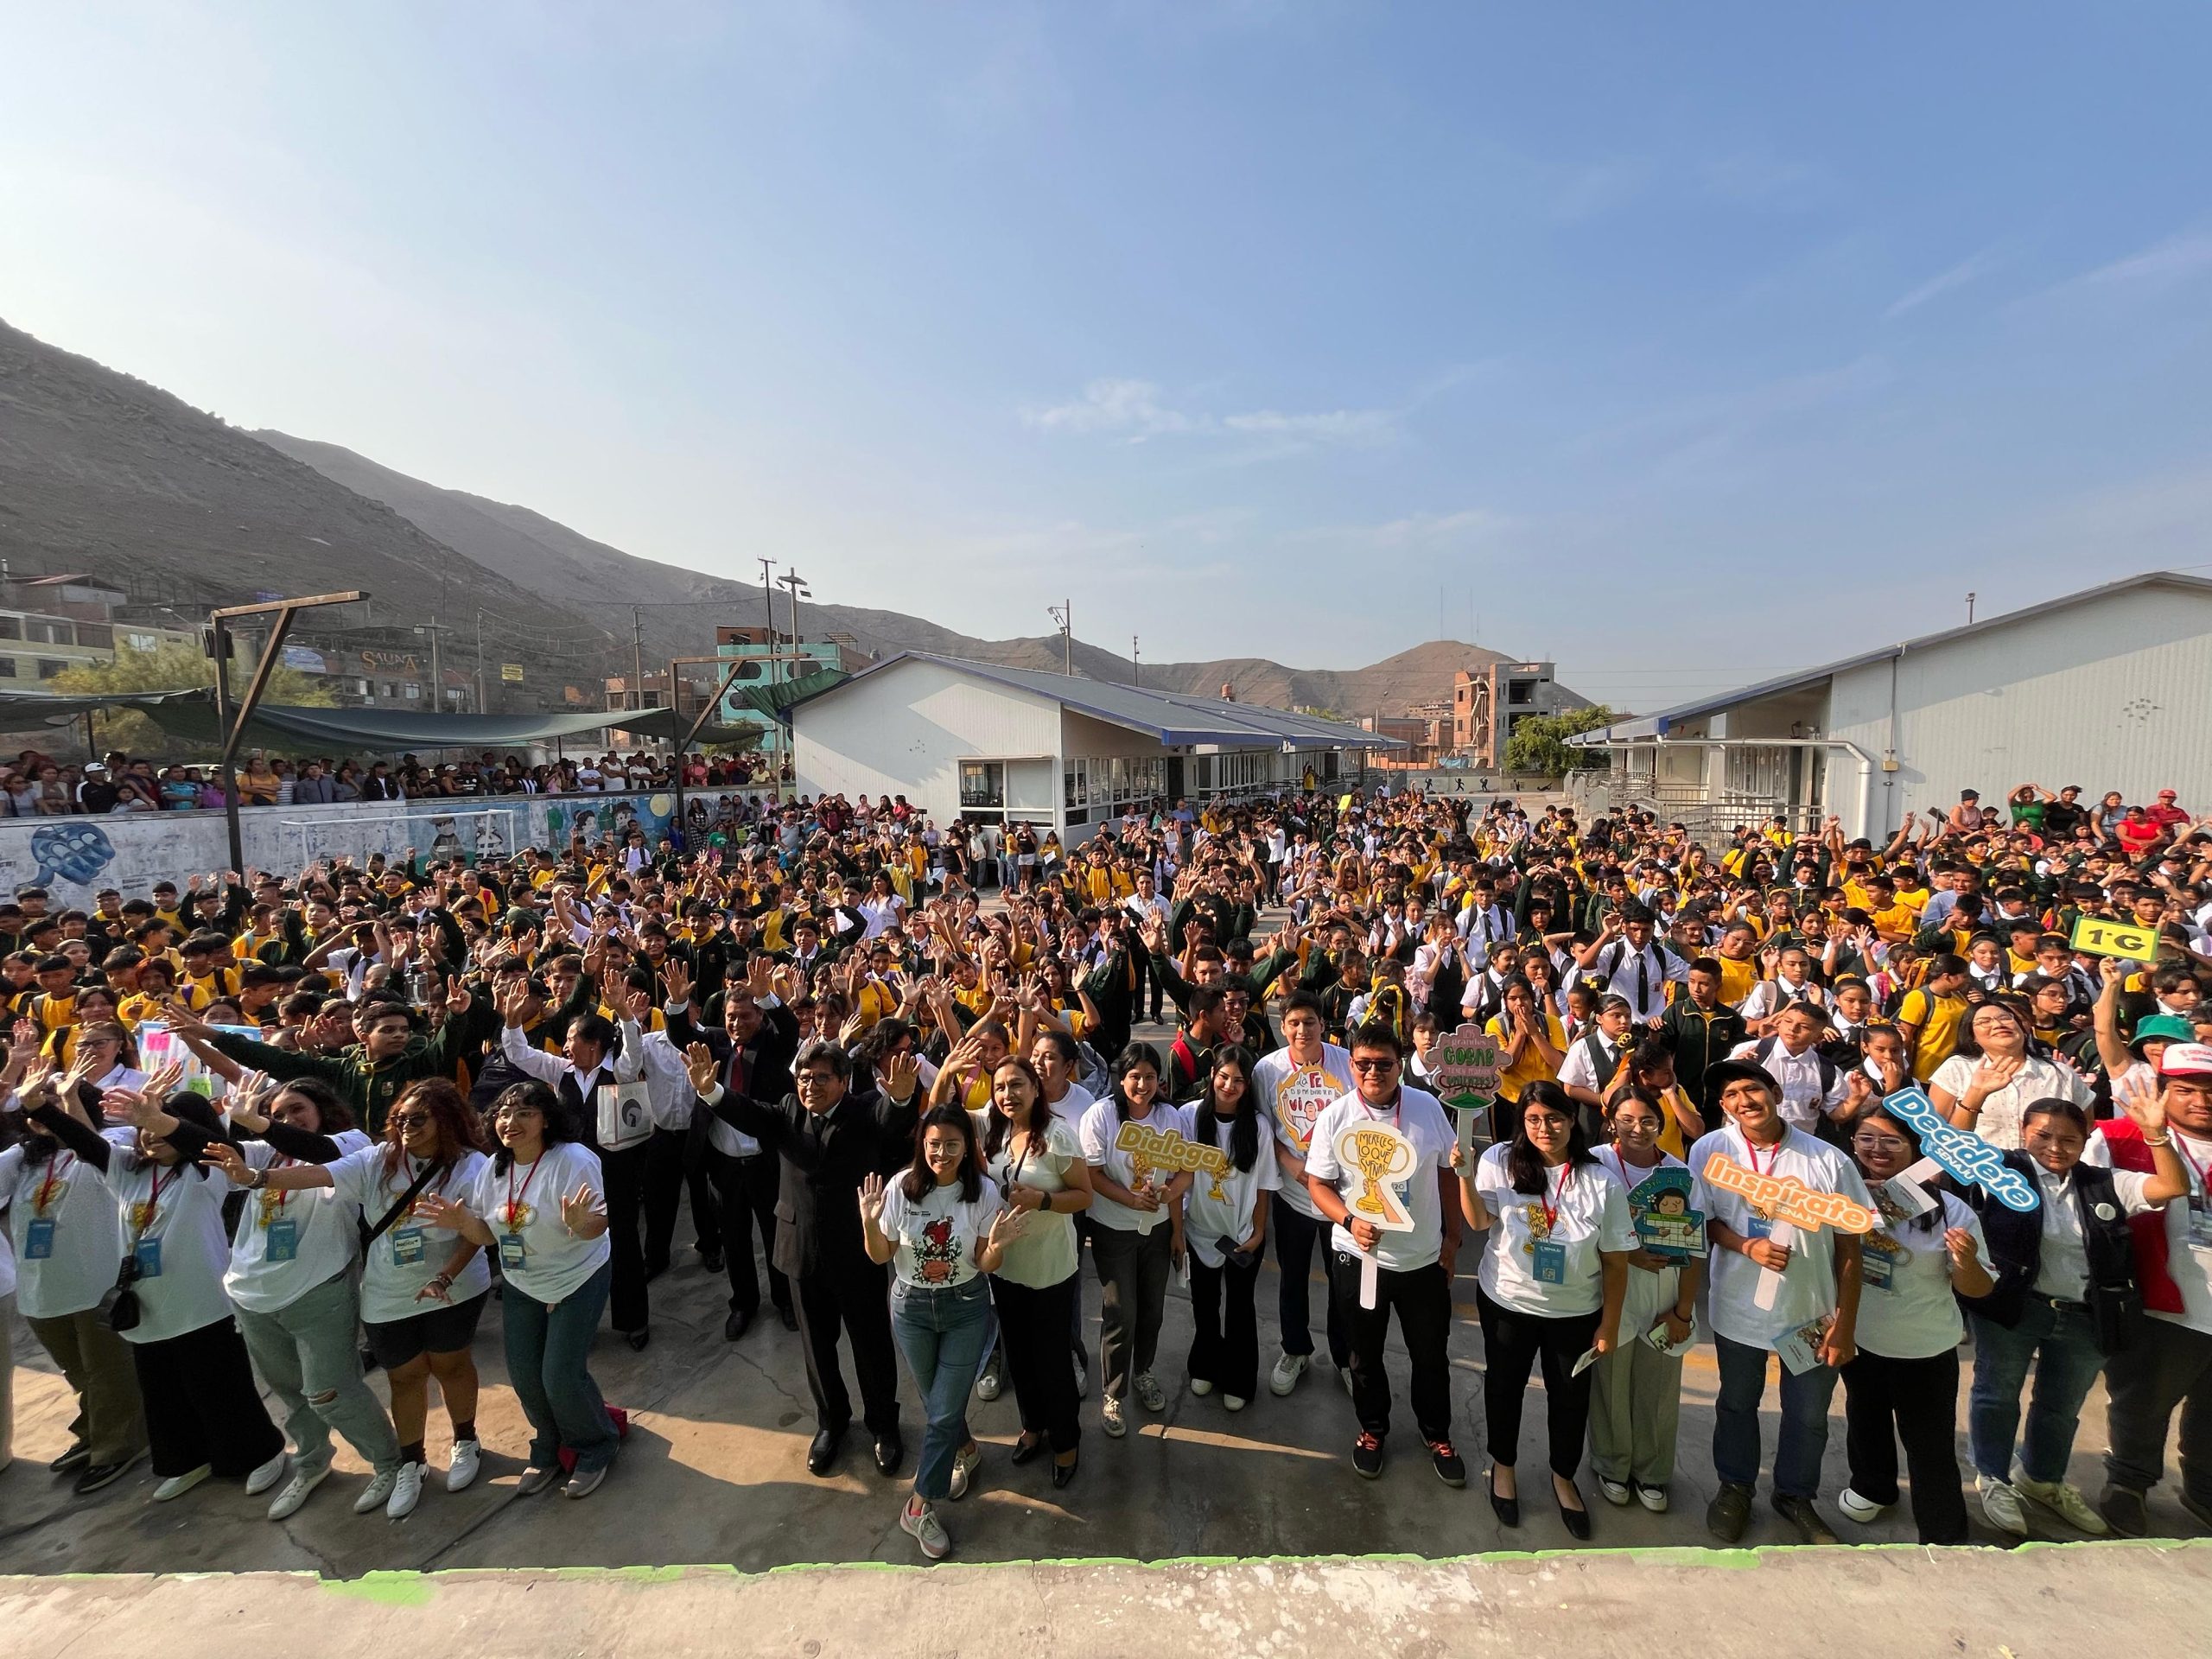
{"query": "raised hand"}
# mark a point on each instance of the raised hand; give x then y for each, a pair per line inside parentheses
(678, 981)
(435, 1210)
(900, 1076)
(22, 1046)
(228, 1158)
(578, 1208)
(1006, 1227)
(871, 1200)
(2137, 1093)
(512, 1003)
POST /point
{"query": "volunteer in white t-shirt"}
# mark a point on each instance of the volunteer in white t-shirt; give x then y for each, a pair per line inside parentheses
(1225, 1223)
(540, 1204)
(1903, 1384)
(1636, 1390)
(203, 1414)
(1808, 1309)
(291, 1253)
(942, 1227)
(1136, 1229)
(1031, 1150)
(66, 1241)
(2167, 1364)
(1555, 1268)
(1294, 1084)
(1406, 1269)
(423, 1288)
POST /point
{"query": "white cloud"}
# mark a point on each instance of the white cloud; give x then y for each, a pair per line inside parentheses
(1133, 410)
(2155, 270)
(1967, 271)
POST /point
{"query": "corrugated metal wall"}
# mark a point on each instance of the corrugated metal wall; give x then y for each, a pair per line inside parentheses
(2111, 694)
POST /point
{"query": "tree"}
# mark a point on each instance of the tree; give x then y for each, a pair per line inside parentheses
(172, 667)
(1538, 746)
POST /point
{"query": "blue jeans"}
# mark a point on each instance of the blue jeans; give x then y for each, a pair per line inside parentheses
(548, 1347)
(944, 1333)
(2057, 1344)
(1735, 1421)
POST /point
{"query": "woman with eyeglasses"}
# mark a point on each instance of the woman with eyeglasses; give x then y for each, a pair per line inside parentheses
(1136, 1230)
(540, 1202)
(1636, 1392)
(1225, 1227)
(1553, 1281)
(423, 1288)
(1993, 1074)
(1032, 1153)
(1903, 1384)
(942, 1228)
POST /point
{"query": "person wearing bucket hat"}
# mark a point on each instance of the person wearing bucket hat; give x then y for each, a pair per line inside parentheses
(2169, 1363)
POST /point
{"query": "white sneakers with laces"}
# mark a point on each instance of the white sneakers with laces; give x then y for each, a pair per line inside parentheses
(406, 1491)
(178, 1485)
(964, 1464)
(1150, 1394)
(918, 1517)
(2000, 1506)
(1287, 1371)
(267, 1476)
(303, 1481)
(2063, 1500)
(377, 1493)
(461, 1469)
(1864, 1510)
(1109, 1417)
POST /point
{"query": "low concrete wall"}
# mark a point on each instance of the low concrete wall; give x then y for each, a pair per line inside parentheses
(76, 857)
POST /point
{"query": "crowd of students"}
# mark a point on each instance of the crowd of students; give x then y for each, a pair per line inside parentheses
(442, 1082)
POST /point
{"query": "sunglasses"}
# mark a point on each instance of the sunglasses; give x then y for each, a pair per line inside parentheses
(409, 1120)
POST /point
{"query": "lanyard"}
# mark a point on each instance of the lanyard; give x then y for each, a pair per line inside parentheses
(43, 1200)
(514, 1198)
(283, 1198)
(2202, 1172)
(1554, 1194)
(1773, 1157)
(153, 1204)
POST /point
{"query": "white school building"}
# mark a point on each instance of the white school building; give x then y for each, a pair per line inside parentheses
(1003, 746)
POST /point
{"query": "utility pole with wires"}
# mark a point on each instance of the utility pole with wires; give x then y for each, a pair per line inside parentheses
(1970, 599)
(1136, 676)
(1064, 614)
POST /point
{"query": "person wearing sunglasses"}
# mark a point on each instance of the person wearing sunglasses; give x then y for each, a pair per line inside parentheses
(1405, 1271)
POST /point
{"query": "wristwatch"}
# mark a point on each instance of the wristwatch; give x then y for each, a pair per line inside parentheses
(259, 1179)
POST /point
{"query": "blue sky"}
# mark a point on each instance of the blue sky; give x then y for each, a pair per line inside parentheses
(1683, 344)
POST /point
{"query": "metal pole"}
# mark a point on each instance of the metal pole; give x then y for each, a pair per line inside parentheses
(768, 630)
(1136, 675)
(437, 672)
(233, 727)
(480, 660)
(1067, 638)
(638, 655)
(220, 642)
(675, 703)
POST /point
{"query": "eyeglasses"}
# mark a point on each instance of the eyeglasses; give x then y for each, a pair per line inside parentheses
(513, 1113)
(1878, 1142)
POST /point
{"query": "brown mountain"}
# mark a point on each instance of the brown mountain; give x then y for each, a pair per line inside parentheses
(102, 474)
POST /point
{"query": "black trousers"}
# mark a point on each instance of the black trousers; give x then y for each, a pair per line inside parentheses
(1422, 1298)
(1147, 985)
(623, 1173)
(1225, 1334)
(1296, 1234)
(1512, 1343)
(859, 1302)
(1033, 1327)
(671, 1167)
(1915, 1401)
(201, 1403)
(745, 1198)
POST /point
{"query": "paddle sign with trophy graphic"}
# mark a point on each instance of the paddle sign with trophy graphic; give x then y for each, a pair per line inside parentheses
(1384, 1157)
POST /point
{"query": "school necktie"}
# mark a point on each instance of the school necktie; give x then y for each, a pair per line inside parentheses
(1643, 983)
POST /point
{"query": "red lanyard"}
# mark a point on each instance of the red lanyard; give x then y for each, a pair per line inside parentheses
(153, 1201)
(1773, 1157)
(515, 1197)
(1554, 1194)
(43, 1200)
(2202, 1171)
(284, 1196)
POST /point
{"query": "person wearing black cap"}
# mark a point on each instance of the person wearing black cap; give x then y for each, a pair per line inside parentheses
(1770, 1282)
(1624, 960)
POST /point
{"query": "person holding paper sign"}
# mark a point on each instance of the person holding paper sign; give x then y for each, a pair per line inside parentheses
(1295, 1084)
(1226, 1224)
(1555, 1270)
(1903, 1382)
(1771, 1282)
(1136, 1233)
(1411, 1269)
(1636, 1390)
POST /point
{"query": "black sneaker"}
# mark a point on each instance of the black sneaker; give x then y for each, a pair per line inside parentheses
(1729, 1513)
(75, 1458)
(2124, 1509)
(1801, 1514)
(1449, 1469)
(1367, 1456)
(98, 1475)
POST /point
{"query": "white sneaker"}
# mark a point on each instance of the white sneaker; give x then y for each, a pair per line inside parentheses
(1234, 1401)
(265, 1477)
(296, 1492)
(964, 1464)
(1864, 1510)
(1615, 1492)
(1150, 1394)
(2064, 1501)
(918, 1517)
(178, 1485)
(1109, 1417)
(1288, 1370)
(406, 1491)
(467, 1459)
(2000, 1506)
(1653, 1498)
(377, 1493)
(988, 1383)
(1200, 1387)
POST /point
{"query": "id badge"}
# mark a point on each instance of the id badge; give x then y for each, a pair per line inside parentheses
(38, 1239)
(2200, 1225)
(1757, 1226)
(511, 1250)
(1878, 1268)
(407, 1246)
(1551, 1261)
(149, 1257)
(284, 1242)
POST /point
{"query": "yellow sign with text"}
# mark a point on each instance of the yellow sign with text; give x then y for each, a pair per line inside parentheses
(2102, 938)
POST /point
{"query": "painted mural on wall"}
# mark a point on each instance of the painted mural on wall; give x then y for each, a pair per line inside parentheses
(74, 858)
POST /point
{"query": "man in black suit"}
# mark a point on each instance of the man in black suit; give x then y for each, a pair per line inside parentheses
(829, 1136)
(753, 1051)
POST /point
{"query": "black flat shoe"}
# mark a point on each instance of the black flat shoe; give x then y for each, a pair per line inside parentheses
(638, 1338)
(736, 1325)
(1064, 1472)
(890, 1452)
(1027, 1450)
(1508, 1510)
(822, 1453)
(790, 1317)
(1577, 1521)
